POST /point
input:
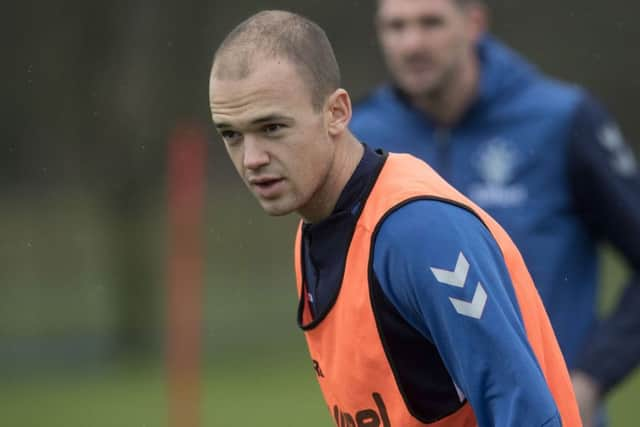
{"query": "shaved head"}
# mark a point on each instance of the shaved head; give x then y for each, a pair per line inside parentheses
(280, 35)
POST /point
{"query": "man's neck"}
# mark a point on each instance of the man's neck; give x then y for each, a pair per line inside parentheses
(349, 152)
(448, 104)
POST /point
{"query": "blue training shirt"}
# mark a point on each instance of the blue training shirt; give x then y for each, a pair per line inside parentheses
(486, 356)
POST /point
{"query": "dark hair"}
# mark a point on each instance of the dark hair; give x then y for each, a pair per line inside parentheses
(280, 34)
(460, 3)
(466, 2)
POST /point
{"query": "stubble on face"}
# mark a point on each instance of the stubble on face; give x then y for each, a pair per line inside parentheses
(422, 44)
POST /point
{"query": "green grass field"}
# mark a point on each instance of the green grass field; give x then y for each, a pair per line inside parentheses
(282, 393)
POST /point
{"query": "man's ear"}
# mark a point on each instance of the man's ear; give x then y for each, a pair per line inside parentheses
(338, 112)
(477, 20)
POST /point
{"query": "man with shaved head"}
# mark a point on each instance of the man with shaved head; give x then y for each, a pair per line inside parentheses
(303, 44)
(374, 226)
(542, 157)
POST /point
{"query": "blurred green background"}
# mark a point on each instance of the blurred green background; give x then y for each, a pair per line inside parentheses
(92, 92)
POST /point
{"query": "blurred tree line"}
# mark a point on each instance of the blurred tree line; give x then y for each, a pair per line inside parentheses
(94, 89)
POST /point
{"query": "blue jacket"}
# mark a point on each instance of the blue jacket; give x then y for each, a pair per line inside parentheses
(546, 161)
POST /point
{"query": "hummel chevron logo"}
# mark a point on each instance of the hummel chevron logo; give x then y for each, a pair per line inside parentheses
(457, 278)
(475, 307)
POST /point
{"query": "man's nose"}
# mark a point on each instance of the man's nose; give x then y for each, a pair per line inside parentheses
(412, 39)
(255, 155)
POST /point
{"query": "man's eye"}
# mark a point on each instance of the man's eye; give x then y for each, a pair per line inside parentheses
(395, 25)
(429, 22)
(230, 136)
(273, 128)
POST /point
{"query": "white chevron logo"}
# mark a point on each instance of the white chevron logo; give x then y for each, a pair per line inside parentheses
(456, 277)
(475, 307)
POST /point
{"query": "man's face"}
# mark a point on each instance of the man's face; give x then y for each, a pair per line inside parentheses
(425, 42)
(277, 142)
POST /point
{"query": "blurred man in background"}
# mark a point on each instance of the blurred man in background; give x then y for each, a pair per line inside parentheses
(542, 157)
(411, 298)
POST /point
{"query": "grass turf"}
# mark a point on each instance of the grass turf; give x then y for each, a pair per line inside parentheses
(238, 393)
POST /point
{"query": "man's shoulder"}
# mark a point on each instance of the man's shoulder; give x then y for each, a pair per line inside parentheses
(543, 97)
(514, 82)
(379, 98)
(558, 93)
(381, 102)
(436, 218)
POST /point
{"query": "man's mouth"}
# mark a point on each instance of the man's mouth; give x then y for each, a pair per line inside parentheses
(268, 187)
(417, 65)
